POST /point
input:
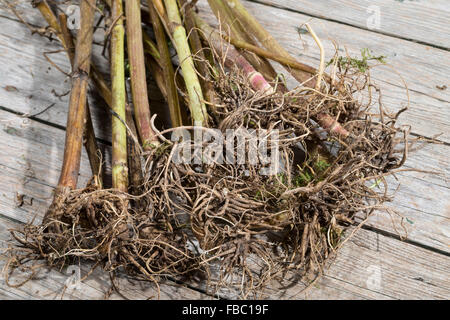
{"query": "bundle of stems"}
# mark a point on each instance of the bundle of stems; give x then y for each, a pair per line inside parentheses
(171, 23)
(209, 78)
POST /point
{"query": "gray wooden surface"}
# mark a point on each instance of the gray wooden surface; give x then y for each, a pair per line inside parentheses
(375, 264)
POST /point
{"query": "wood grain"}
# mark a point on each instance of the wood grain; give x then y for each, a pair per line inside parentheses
(423, 21)
(423, 68)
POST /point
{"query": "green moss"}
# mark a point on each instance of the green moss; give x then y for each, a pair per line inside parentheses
(313, 172)
(258, 195)
(376, 184)
(321, 165)
(161, 149)
(303, 178)
(360, 64)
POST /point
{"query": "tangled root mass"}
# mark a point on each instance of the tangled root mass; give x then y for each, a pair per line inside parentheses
(225, 222)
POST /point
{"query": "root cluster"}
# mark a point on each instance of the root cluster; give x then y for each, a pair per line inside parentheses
(227, 223)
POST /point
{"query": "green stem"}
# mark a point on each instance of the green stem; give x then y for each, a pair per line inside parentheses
(119, 130)
(196, 101)
(197, 47)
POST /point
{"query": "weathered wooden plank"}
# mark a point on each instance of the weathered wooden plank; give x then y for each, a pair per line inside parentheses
(423, 21)
(50, 284)
(29, 83)
(422, 67)
(420, 199)
(405, 271)
(372, 266)
(374, 275)
(34, 19)
(416, 63)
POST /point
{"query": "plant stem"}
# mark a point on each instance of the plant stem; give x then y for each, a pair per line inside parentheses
(196, 101)
(138, 77)
(77, 105)
(101, 85)
(167, 67)
(159, 6)
(256, 79)
(266, 39)
(197, 47)
(66, 37)
(151, 48)
(288, 62)
(325, 120)
(158, 76)
(134, 161)
(322, 56)
(90, 143)
(119, 130)
(225, 16)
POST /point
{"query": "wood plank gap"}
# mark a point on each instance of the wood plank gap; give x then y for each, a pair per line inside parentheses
(408, 241)
(426, 137)
(424, 43)
(45, 122)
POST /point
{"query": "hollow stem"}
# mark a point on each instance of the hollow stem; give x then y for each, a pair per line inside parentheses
(196, 101)
(137, 72)
(119, 130)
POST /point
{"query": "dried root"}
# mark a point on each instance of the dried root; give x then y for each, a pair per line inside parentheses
(98, 225)
(237, 225)
(251, 228)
